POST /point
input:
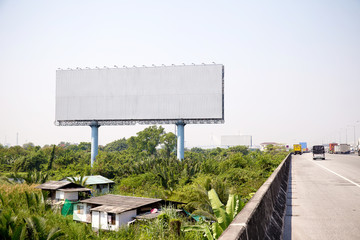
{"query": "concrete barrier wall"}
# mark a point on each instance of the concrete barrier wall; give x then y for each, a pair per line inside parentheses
(262, 217)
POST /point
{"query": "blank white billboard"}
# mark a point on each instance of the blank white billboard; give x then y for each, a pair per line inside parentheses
(235, 140)
(167, 94)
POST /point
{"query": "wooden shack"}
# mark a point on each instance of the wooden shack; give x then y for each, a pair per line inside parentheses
(109, 212)
(60, 190)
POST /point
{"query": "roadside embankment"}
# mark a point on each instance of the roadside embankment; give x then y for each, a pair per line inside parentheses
(263, 215)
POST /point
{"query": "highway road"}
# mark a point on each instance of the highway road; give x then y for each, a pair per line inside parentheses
(323, 199)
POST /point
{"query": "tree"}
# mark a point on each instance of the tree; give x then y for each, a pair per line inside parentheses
(51, 160)
(10, 226)
(35, 177)
(36, 228)
(197, 150)
(79, 180)
(116, 146)
(146, 140)
(239, 149)
(30, 162)
(169, 141)
(86, 146)
(28, 146)
(63, 144)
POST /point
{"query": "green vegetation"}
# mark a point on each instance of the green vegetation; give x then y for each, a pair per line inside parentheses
(224, 216)
(143, 165)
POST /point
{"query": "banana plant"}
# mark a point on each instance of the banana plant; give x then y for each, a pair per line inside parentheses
(223, 214)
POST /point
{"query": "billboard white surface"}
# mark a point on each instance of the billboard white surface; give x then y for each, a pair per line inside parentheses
(235, 140)
(112, 96)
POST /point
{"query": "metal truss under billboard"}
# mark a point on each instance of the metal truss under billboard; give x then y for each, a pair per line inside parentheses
(145, 95)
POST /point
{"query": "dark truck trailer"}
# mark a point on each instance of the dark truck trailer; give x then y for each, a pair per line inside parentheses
(318, 152)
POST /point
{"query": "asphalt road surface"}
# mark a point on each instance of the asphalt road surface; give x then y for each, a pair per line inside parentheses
(323, 199)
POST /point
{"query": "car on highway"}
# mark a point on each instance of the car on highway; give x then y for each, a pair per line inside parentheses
(318, 152)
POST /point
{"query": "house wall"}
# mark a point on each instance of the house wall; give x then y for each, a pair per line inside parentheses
(88, 214)
(85, 216)
(100, 220)
(59, 195)
(105, 188)
(103, 220)
(125, 217)
(95, 220)
(102, 188)
(71, 196)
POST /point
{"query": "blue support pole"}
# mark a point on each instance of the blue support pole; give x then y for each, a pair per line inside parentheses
(94, 140)
(180, 140)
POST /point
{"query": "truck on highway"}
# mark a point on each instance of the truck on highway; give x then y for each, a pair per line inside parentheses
(342, 148)
(297, 149)
(304, 147)
(318, 152)
(332, 147)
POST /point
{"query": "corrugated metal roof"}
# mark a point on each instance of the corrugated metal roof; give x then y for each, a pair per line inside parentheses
(54, 185)
(120, 203)
(93, 180)
(109, 209)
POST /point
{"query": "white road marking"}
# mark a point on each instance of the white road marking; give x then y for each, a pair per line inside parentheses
(337, 174)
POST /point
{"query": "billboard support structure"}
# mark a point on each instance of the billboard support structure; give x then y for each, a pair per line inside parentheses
(94, 140)
(177, 94)
(180, 139)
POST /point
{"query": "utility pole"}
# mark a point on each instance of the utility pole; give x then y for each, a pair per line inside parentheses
(340, 137)
(354, 134)
(354, 137)
(346, 135)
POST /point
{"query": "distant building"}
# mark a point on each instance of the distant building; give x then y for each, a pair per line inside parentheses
(236, 140)
(265, 144)
(97, 182)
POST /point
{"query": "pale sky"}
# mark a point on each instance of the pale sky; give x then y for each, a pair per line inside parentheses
(292, 68)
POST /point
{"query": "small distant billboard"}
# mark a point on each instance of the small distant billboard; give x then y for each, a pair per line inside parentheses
(147, 95)
(236, 140)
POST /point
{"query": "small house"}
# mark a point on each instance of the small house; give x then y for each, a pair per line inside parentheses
(109, 212)
(97, 182)
(60, 191)
(264, 145)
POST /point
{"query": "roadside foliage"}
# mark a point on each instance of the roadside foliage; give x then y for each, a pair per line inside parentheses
(213, 184)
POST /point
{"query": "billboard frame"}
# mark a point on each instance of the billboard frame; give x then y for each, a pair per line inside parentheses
(179, 122)
(117, 122)
(134, 122)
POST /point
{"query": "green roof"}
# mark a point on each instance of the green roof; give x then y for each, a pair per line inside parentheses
(93, 180)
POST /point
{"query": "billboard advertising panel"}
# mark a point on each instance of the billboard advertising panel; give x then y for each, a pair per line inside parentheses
(236, 140)
(116, 96)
